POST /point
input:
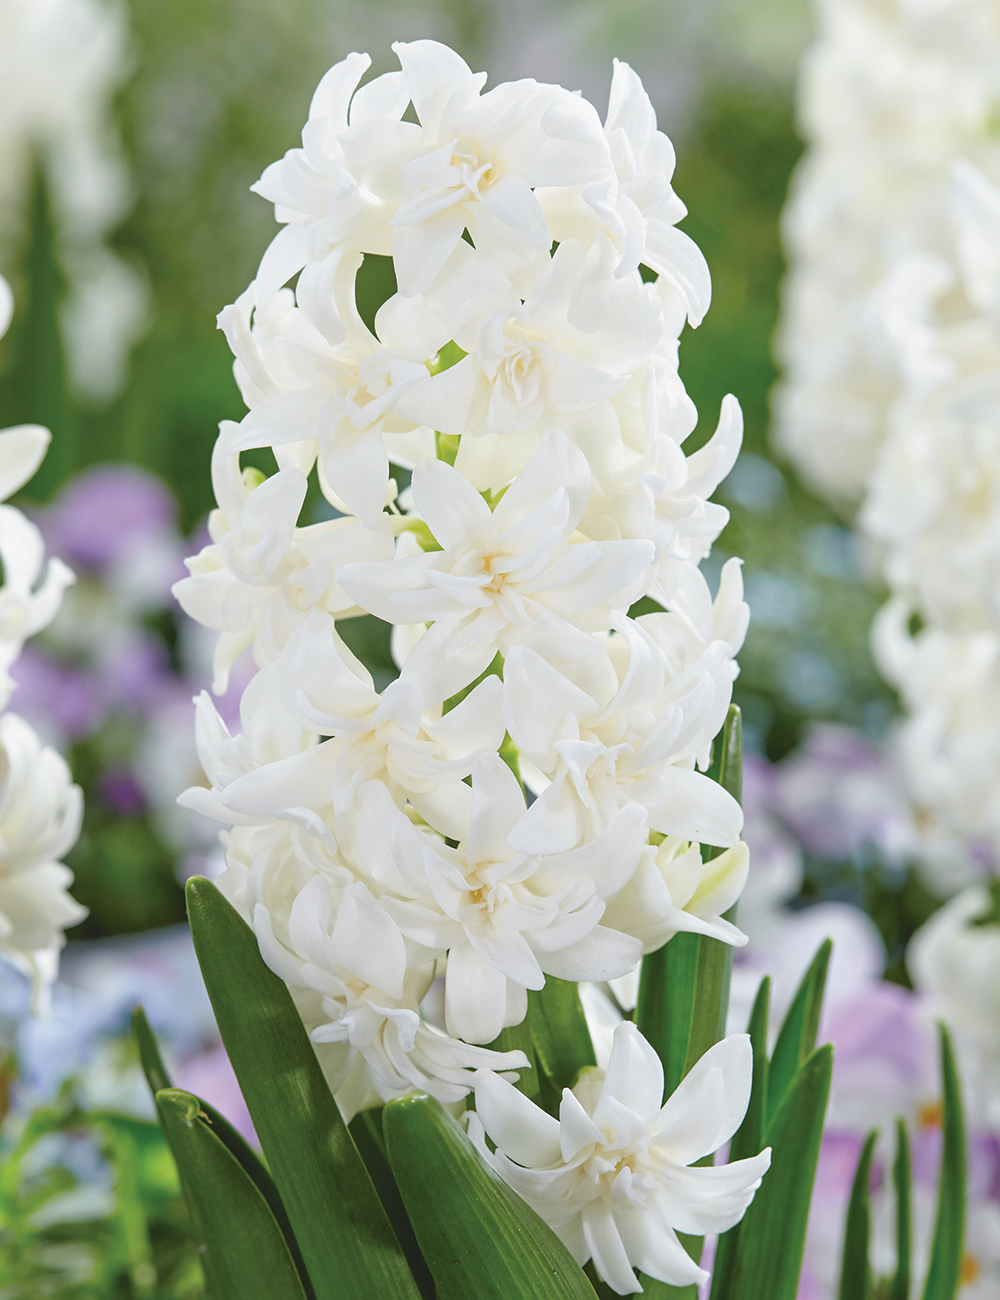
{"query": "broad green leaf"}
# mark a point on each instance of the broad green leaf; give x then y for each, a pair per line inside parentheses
(234, 1142)
(478, 1237)
(773, 1232)
(560, 1038)
(748, 1139)
(900, 1289)
(247, 1257)
(797, 1036)
(855, 1271)
(366, 1130)
(949, 1230)
(346, 1240)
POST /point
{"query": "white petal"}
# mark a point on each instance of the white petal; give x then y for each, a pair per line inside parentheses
(605, 1245)
(678, 258)
(475, 996)
(367, 942)
(700, 1201)
(22, 450)
(454, 511)
(601, 955)
(6, 306)
(697, 808)
(688, 1128)
(634, 1076)
(497, 803)
(576, 1128)
(519, 1128)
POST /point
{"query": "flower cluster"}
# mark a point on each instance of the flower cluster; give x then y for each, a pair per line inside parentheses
(524, 799)
(61, 63)
(891, 338)
(40, 807)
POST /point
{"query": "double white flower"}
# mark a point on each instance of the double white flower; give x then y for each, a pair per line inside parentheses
(611, 1174)
(380, 839)
(40, 807)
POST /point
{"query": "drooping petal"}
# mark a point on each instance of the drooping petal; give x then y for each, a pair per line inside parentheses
(475, 996)
(522, 1130)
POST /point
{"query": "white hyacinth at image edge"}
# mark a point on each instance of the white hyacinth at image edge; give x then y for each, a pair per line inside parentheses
(40, 807)
(890, 404)
(528, 798)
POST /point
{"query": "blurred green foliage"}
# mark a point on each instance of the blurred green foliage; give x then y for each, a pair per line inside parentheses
(91, 1209)
(806, 655)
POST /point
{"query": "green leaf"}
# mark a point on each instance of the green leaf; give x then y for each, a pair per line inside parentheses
(130, 1216)
(350, 1250)
(727, 759)
(149, 1053)
(946, 1253)
(748, 1139)
(666, 995)
(773, 1232)
(855, 1271)
(233, 1141)
(43, 395)
(518, 1038)
(560, 1038)
(247, 1257)
(684, 987)
(366, 1130)
(479, 1238)
(900, 1289)
(797, 1036)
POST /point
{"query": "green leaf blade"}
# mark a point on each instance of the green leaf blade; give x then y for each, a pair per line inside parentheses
(149, 1053)
(247, 1255)
(773, 1231)
(900, 1289)
(478, 1237)
(797, 1036)
(944, 1273)
(749, 1137)
(855, 1272)
(346, 1240)
(366, 1130)
(234, 1142)
(560, 1038)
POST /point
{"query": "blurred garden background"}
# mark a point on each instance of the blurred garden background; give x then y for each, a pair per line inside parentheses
(125, 226)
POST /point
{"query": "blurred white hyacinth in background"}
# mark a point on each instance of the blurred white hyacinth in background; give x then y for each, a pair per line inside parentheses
(891, 344)
(40, 807)
(61, 62)
(381, 842)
